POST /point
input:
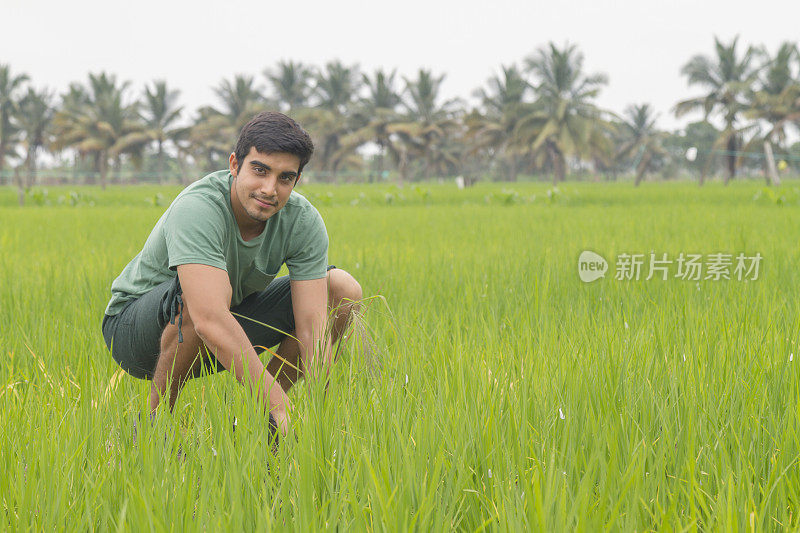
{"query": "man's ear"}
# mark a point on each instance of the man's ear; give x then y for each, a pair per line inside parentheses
(232, 163)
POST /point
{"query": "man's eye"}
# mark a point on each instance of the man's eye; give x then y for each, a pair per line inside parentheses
(287, 178)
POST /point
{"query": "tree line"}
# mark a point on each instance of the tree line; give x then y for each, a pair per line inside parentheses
(539, 117)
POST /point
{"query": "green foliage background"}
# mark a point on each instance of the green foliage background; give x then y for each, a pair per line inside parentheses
(679, 399)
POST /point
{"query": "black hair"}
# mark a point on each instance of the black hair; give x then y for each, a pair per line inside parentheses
(271, 132)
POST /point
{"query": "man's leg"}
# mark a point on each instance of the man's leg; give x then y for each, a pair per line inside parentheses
(344, 297)
(177, 362)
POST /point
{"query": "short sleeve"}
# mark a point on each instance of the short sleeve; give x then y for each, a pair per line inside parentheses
(308, 248)
(194, 230)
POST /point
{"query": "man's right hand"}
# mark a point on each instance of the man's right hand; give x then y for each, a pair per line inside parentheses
(207, 296)
(281, 418)
(279, 407)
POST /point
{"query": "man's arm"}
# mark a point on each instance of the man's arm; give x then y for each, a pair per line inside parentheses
(207, 295)
(310, 305)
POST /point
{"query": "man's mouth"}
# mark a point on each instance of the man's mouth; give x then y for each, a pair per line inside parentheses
(264, 203)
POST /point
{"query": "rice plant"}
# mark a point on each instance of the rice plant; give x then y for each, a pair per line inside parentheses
(510, 395)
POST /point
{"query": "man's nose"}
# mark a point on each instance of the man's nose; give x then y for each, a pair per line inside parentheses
(268, 186)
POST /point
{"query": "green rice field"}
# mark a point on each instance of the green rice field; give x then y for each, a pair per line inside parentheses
(501, 392)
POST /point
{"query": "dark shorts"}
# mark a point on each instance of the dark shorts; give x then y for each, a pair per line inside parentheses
(134, 334)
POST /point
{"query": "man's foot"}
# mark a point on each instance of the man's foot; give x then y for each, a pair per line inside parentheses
(273, 430)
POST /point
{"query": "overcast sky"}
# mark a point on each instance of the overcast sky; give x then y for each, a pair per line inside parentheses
(640, 44)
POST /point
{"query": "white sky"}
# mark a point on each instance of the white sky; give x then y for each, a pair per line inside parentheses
(640, 44)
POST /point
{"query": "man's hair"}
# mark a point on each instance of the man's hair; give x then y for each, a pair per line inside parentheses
(271, 132)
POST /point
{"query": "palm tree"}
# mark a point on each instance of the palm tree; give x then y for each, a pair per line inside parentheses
(447, 153)
(9, 86)
(727, 80)
(241, 99)
(330, 131)
(337, 86)
(214, 130)
(493, 128)
(781, 71)
(564, 120)
(330, 121)
(209, 138)
(376, 117)
(436, 122)
(602, 145)
(35, 115)
(504, 92)
(777, 101)
(291, 83)
(700, 138)
(422, 97)
(105, 126)
(73, 102)
(641, 139)
(381, 91)
(160, 112)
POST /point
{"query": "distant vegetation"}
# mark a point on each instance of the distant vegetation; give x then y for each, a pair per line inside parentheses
(538, 118)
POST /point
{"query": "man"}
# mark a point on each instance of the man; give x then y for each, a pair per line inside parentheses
(203, 288)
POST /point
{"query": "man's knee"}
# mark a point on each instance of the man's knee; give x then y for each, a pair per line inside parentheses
(344, 290)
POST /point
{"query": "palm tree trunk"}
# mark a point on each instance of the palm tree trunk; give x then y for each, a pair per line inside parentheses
(75, 168)
(30, 164)
(770, 171)
(402, 168)
(557, 159)
(704, 169)
(3, 149)
(103, 169)
(20, 187)
(184, 178)
(118, 169)
(767, 173)
(513, 166)
(561, 171)
(210, 160)
(381, 160)
(730, 159)
(596, 169)
(160, 162)
(552, 157)
(642, 168)
(97, 169)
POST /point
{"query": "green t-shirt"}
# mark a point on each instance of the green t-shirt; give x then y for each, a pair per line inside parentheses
(199, 227)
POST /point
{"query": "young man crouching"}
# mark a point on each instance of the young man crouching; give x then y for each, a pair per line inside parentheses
(213, 255)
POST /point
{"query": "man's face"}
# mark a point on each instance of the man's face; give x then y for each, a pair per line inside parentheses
(263, 182)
